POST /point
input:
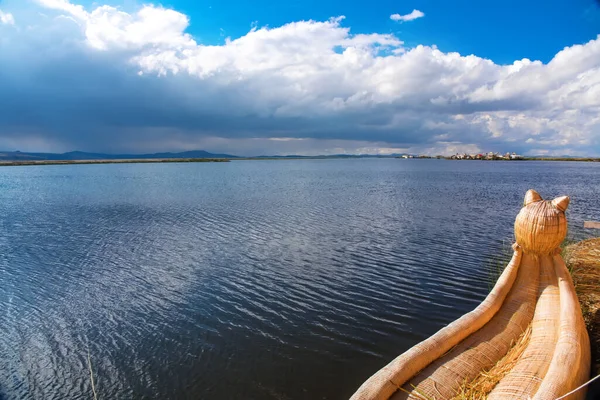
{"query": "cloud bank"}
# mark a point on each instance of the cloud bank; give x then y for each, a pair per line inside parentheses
(105, 79)
(408, 17)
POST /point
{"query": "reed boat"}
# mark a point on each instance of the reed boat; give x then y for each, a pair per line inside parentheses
(526, 340)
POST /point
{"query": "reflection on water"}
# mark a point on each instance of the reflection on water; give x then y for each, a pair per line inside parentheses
(251, 279)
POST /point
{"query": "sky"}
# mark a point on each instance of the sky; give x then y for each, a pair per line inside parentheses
(301, 77)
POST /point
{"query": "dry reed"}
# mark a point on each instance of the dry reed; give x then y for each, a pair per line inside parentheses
(583, 259)
(482, 385)
(89, 359)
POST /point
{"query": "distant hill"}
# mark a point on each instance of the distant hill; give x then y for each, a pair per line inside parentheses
(334, 156)
(81, 155)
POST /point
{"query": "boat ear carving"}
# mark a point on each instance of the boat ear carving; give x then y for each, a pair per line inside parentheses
(541, 226)
(561, 203)
(531, 197)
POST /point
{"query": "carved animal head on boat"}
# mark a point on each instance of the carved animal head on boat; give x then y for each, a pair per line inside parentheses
(541, 225)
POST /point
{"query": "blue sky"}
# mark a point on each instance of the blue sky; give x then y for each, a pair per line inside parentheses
(503, 31)
(303, 77)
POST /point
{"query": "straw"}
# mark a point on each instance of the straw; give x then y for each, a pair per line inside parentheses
(482, 385)
(583, 259)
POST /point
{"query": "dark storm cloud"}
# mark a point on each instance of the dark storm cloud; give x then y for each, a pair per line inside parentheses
(77, 81)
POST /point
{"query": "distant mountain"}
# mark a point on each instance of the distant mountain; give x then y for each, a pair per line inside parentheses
(81, 155)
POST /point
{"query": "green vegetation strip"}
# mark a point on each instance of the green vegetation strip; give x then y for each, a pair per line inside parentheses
(129, 161)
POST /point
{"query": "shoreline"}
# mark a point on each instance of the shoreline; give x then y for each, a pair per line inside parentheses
(13, 163)
(16, 163)
(580, 159)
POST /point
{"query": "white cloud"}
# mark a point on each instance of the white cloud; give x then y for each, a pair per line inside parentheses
(6, 18)
(311, 80)
(64, 5)
(408, 17)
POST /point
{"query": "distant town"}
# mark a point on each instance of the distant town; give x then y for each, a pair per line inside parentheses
(487, 156)
(480, 156)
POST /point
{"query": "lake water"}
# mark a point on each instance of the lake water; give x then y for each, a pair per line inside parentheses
(291, 279)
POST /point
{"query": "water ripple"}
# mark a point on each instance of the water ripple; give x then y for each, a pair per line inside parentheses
(247, 280)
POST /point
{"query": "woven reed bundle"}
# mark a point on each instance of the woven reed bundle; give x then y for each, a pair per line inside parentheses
(480, 351)
(387, 380)
(525, 377)
(534, 294)
(541, 226)
(570, 365)
(480, 387)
